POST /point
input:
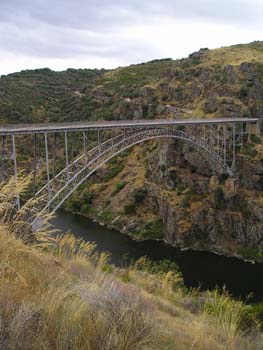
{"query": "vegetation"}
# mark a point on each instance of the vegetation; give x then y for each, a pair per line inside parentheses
(219, 197)
(139, 195)
(129, 209)
(119, 187)
(57, 293)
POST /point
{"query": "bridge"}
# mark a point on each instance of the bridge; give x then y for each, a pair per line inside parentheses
(64, 155)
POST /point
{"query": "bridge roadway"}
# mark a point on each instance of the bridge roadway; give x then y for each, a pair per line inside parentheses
(21, 129)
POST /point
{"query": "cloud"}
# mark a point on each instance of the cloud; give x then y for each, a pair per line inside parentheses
(59, 32)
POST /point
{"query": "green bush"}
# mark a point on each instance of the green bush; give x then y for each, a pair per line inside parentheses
(219, 198)
(249, 151)
(88, 197)
(139, 195)
(129, 209)
(254, 138)
(187, 199)
(250, 253)
(85, 208)
(180, 188)
(113, 172)
(153, 229)
(253, 314)
(119, 187)
(156, 267)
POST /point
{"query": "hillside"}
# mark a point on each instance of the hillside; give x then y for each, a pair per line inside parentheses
(226, 80)
(59, 294)
(161, 189)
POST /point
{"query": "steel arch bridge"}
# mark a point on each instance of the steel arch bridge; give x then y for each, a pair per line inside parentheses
(215, 139)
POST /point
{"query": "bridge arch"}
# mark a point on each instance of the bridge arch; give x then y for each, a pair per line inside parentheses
(55, 193)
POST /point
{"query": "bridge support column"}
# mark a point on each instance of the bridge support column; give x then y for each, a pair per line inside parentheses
(224, 144)
(85, 145)
(234, 148)
(34, 165)
(99, 141)
(112, 139)
(54, 156)
(66, 154)
(72, 146)
(3, 159)
(218, 139)
(15, 171)
(241, 137)
(47, 169)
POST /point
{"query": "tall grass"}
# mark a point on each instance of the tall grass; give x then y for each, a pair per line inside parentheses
(56, 293)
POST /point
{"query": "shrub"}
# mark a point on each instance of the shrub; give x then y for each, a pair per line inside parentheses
(129, 209)
(219, 198)
(153, 229)
(226, 311)
(119, 187)
(249, 151)
(187, 199)
(254, 138)
(139, 195)
(180, 188)
(113, 172)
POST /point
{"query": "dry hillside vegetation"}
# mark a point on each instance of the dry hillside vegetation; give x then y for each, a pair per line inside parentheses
(57, 293)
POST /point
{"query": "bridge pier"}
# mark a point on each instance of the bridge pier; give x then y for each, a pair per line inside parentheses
(34, 163)
(66, 154)
(99, 141)
(224, 144)
(54, 155)
(233, 165)
(15, 172)
(47, 169)
(3, 160)
(85, 139)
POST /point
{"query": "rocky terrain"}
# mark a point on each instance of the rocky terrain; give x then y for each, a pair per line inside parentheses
(162, 189)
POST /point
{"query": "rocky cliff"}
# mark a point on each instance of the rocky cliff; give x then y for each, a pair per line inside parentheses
(161, 189)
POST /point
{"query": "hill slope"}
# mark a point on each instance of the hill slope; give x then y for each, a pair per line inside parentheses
(226, 80)
(163, 189)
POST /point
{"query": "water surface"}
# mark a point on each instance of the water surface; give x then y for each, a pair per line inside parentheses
(200, 269)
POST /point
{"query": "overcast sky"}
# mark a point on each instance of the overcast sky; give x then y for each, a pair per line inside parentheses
(109, 33)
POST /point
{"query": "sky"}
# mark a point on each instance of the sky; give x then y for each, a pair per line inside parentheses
(61, 34)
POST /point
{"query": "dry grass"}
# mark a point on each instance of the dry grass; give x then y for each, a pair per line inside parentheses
(55, 295)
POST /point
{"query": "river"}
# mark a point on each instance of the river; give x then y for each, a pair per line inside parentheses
(199, 269)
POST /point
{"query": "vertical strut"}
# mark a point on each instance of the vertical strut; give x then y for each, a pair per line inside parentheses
(47, 167)
(218, 138)
(234, 146)
(99, 141)
(15, 170)
(54, 157)
(35, 167)
(112, 138)
(66, 153)
(224, 145)
(3, 160)
(241, 136)
(85, 146)
(258, 127)
(72, 147)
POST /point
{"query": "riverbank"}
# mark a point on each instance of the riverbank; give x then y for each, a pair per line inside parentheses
(62, 294)
(199, 269)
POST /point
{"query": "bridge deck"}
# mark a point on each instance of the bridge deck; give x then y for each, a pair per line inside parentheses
(20, 129)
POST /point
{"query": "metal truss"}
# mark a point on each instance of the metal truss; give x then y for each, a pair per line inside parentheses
(218, 142)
